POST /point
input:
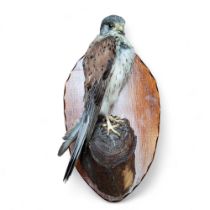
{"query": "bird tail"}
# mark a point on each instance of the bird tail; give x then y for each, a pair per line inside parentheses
(69, 137)
(83, 131)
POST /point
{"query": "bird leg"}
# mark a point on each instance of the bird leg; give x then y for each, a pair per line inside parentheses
(110, 126)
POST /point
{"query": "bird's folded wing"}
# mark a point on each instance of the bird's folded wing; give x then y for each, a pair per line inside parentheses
(98, 61)
(97, 65)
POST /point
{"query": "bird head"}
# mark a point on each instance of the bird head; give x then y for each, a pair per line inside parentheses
(112, 23)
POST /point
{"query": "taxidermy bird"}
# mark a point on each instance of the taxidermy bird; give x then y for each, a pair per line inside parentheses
(107, 66)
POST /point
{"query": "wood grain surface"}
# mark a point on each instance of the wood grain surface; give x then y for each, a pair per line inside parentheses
(138, 102)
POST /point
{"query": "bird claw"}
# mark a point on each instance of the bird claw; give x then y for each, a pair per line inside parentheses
(110, 126)
(116, 119)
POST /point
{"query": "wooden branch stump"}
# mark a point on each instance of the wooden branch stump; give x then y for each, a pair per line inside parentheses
(109, 160)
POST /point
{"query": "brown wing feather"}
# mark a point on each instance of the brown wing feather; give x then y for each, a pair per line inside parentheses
(98, 61)
(97, 66)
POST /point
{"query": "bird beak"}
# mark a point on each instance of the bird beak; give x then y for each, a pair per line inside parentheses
(119, 28)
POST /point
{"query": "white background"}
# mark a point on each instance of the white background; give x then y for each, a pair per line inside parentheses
(40, 41)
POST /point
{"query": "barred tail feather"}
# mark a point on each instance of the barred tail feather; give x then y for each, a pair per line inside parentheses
(77, 148)
(69, 138)
(87, 125)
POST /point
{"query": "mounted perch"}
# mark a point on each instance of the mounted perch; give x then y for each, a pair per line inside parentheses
(109, 160)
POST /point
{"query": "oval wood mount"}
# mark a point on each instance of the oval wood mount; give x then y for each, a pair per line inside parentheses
(113, 166)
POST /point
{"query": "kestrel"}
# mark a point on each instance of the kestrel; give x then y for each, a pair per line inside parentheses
(107, 66)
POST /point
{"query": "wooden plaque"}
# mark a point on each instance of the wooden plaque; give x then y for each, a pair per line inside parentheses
(138, 102)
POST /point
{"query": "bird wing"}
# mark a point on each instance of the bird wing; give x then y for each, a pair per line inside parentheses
(97, 65)
(98, 61)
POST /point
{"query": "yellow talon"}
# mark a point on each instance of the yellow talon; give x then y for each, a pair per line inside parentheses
(115, 119)
(111, 127)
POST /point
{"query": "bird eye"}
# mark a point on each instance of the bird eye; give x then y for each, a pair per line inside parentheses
(111, 25)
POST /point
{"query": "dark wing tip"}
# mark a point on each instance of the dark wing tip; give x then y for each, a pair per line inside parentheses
(65, 179)
(69, 170)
